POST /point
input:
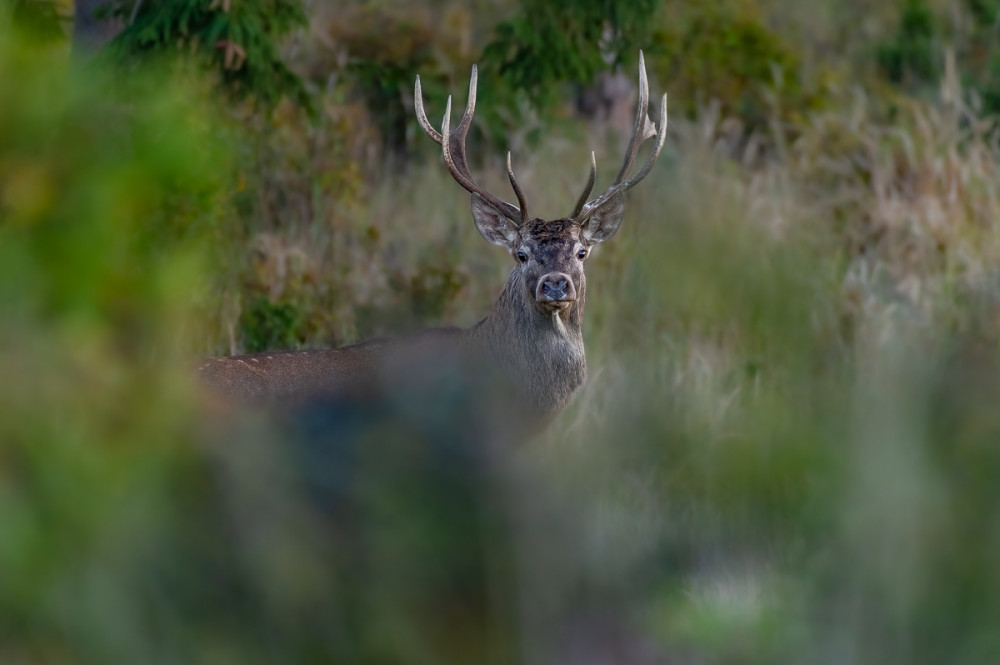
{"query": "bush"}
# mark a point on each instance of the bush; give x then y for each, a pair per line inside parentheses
(105, 196)
(239, 42)
(38, 19)
(382, 49)
(915, 57)
(912, 58)
(723, 52)
(550, 43)
(270, 325)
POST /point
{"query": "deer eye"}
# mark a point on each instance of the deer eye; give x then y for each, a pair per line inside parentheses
(582, 254)
(522, 257)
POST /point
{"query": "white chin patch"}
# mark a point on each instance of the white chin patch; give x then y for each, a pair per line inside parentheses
(557, 322)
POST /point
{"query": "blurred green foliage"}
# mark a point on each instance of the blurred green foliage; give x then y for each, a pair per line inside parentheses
(271, 325)
(723, 51)
(915, 56)
(549, 43)
(106, 192)
(546, 51)
(39, 19)
(239, 41)
(96, 232)
(911, 56)
(388, 47)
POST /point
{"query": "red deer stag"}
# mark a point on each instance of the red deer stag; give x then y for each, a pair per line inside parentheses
(532, 337)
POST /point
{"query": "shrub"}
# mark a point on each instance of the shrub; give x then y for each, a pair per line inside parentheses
(386, 47)
(270, 325)
(911, 57)
(38, 19)
(723, 52)
(238, 42)
(104, 197)
(553, 42)
(914, 58)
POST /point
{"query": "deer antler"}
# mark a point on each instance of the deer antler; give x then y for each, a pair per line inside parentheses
(453, 149)
(643, 129)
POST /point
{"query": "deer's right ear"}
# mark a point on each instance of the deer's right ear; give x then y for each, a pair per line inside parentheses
(492, 223)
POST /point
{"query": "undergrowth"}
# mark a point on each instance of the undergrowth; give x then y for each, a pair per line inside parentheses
(785, 452)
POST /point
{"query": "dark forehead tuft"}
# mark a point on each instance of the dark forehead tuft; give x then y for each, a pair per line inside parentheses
(558, 229)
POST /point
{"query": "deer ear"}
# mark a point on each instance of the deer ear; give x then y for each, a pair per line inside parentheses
(492, 223)
(605, 221)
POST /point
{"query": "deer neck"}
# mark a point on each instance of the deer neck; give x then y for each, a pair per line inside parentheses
(542, 353)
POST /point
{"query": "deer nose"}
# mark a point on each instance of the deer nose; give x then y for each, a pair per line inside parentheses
(555, 287)
(555, 291)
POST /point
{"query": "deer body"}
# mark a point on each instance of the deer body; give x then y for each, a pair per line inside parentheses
(538, 354)
(526, 358)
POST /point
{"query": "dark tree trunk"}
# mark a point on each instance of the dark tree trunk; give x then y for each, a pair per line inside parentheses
(89, 32)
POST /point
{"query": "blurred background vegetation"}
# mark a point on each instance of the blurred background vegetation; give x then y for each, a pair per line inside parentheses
(789, 445)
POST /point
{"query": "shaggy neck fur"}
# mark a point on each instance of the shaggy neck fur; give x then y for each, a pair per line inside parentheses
(542, 352)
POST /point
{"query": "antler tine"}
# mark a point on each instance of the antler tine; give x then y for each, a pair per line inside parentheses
(582, 201)
(418, 104)
(661, 137)
(470, 105)
(458, 166)
(446, 150)
(470, 108)
(517, 191)
(621, 187)
(462, 130)
(641, 126)
(644, 129)
(453, 149)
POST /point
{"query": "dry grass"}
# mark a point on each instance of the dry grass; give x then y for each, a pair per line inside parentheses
(768, 336)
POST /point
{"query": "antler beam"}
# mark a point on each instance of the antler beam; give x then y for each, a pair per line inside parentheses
(453, 150)
(642, 130)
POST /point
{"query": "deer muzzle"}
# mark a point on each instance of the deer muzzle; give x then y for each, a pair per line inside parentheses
(555, 289)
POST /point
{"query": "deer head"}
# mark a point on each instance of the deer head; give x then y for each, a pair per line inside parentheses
(549, 255)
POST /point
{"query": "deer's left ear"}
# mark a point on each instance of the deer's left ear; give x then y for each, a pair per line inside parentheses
(605, 221)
